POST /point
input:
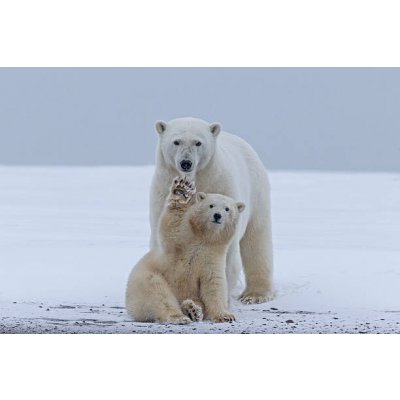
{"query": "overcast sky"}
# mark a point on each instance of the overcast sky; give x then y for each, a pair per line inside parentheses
(296, 118)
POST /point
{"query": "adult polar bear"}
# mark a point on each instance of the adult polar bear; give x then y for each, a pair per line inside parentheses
(220, 162)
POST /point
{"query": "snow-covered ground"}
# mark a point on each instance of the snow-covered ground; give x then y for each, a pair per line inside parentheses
(70, 236)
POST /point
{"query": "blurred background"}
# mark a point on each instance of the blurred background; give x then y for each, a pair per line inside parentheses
(296, 118)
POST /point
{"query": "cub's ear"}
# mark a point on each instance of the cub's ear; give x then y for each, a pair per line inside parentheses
(215, 129)
(200, 196)
(161, 126)
(240, 206)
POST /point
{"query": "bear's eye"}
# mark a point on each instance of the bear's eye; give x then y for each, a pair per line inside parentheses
(211, 205)
(226, 209)
(176, 142)
(198, 144)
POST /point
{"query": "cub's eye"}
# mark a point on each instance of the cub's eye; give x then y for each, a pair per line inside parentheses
(211, 206)
(176, 142)
(226, 209)
(198, 144)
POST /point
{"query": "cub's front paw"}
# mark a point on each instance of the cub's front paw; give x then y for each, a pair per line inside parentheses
(182, 190)
(223, 317)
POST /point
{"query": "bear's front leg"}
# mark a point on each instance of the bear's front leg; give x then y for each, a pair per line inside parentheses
(214, 295)
(177, 203)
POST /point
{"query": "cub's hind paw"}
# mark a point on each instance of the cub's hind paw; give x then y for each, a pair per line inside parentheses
(176, 320)
(192, 310)
(182, 190)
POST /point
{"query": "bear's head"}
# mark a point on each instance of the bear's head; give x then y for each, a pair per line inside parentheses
(187, 144)
(214, 217)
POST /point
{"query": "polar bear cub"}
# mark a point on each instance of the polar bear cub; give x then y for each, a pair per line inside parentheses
(184, 279)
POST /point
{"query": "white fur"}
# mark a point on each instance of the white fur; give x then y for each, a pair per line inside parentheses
(224, 164)
(184, 278)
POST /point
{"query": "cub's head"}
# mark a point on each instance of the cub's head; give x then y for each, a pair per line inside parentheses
(187, 144)
(215, 217)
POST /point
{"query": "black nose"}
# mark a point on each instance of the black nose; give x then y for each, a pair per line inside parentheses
(186, 165)
(217, 216)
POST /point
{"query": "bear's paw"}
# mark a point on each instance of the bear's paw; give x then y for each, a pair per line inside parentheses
(182, 191)
(192, 310)
(224, 317)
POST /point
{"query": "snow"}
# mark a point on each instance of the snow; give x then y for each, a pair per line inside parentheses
(70, 236)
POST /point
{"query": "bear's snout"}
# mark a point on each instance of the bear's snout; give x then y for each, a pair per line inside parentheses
(186, 165)
(217, 217)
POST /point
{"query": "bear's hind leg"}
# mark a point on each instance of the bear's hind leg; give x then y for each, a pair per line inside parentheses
(256, 253)
(150, 299)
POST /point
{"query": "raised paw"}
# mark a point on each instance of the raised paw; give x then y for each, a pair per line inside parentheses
(192, 310)
(224, 317)
(256, 298)
(182, 190)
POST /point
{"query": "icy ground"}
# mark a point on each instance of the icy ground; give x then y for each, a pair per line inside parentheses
(70, 236)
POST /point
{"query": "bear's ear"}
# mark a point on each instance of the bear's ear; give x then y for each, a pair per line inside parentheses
(161, 126)
(240, 206)
(200, 196)
(215, 129)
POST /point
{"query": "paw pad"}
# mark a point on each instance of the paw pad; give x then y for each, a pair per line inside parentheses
(192, 310)
(182, 190)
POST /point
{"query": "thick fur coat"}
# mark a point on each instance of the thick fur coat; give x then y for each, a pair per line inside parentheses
(220, 162)
(184, 278)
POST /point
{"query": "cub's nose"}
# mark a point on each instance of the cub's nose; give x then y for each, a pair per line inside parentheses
(186, 165)
(217, 217)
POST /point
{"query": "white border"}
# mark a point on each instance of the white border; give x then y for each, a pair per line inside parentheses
(198, 367)
(207, 33)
